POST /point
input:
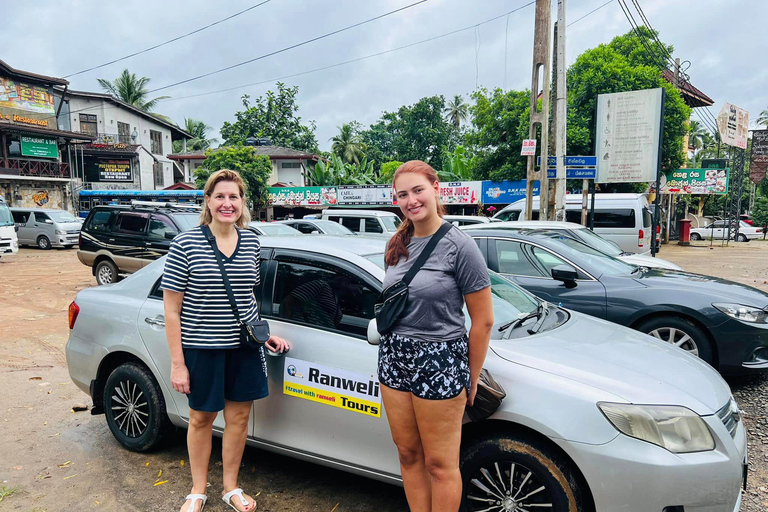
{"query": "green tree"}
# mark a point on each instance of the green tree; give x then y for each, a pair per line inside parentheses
(456, 166)
(335, 171)
(698, 135)
(760, 213)
(254, 169)
(456, 111)
(130, 89)
(274, 117)
(762, 119)
(348, 144)
(199, 141)
(387, 172)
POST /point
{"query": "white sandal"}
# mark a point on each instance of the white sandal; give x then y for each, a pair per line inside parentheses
(226, 498)
(195, 498)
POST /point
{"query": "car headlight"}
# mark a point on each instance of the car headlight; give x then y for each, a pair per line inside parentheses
(61, 232)
(744, 313)
(677, 429)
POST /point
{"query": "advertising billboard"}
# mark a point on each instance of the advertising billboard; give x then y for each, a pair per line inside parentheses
(41, 147)
(758, 162)
(303, 196)
(461, 192)
(733, 125)
(105, 170)
(25, 104)
(365, 194)
(696, 181)
(505, 192)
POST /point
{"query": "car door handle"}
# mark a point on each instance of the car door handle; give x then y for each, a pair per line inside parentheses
(158, 321)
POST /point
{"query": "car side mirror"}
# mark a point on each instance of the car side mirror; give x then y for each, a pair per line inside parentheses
(565, 273)
(16, 228)
(170, 235)
(373, 333)
(315, 232)
(48, 221)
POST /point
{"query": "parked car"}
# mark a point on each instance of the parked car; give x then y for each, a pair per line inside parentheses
(622, 218)
(467, 220)
(590, 405)
(272, 229)
(46, 228)
(365, 222)
(9, 243)
(119, 240)
(317, 226)
(718, 230)
(723, 322)
(583, 235)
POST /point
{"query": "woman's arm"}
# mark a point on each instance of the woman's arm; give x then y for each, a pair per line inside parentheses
(480, 307)
(179, 374)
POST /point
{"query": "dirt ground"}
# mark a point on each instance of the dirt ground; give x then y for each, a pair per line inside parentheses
(54, 459)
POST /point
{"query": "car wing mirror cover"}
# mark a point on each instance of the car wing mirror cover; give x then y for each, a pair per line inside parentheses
(565, 273)
(373, 333)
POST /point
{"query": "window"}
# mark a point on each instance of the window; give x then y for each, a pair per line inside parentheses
(156, 140)
(511, 215)
(373, 226)
(88, 124)
(304, 227)
(615, 218)
(351, 223)
(124, 133)
(159, 226)
(42, 217)
(546, 258)
(325, 297)
(512, 260)
(132, 223)
(99, 221)
(290, 165)
(157, 173)
(573, 216)
(20, 217)
(646, 218)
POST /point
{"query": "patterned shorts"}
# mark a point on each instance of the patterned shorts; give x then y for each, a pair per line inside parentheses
(429, 370)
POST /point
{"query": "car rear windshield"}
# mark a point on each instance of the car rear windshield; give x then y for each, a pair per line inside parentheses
(187, 221)
(615, 218)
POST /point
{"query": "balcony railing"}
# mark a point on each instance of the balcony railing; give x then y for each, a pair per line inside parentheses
(36, 168)
(111, 138)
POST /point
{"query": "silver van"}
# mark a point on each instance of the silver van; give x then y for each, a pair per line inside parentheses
(365, 222)
(622, 218)
(46, 228)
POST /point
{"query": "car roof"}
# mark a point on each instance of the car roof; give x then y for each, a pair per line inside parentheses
(577, 198)
(328, 244)
(467, 217)
(163, 209)
(365, 213)
(44, 210)
(527, 224)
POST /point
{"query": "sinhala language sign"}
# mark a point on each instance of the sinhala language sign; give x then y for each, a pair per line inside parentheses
(344, 389)
(303, 196)
(758, 162)
(733, 125)
(696, 181)
(628, 132)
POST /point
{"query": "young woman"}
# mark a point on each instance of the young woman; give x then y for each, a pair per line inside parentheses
(428, 367)
(208, 362)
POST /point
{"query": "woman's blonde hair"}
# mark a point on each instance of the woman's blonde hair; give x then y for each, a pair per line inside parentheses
(210, 185)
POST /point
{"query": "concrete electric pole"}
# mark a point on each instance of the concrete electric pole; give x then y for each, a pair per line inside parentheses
(560, 110)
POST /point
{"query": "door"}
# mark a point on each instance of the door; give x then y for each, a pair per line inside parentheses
(127, 239)
(530, 266)
(24, 221)
(160, 232)
(42, 225)
(324, 395)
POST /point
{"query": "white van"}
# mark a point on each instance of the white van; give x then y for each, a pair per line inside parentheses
(621, 218)
(365, 222)
(9, 244)
(46, 227)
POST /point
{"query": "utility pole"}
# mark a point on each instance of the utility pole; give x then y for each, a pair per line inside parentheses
(560, 111)
(539, 117)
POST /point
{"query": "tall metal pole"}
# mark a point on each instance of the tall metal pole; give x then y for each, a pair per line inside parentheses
(657, 203)
(560, 109)
(539, 117)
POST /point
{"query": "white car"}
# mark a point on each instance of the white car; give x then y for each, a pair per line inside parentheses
(718, 230)
(584, 235)
(466, 220)
(272, 229)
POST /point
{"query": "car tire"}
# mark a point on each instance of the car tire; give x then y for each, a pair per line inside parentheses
(695, 237)
(664, 327)
(494, 469)
(743, 238)
(106, 272)
(43, 242)
(135, 408)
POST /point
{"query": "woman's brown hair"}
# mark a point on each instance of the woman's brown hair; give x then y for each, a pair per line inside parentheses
(398, 244)
(210, 185)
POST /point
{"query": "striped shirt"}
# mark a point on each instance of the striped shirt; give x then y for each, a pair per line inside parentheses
(207, 319)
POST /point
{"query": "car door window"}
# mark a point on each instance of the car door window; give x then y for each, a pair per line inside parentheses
(99, 221)
(546, 259)
(304, 227)
(20, 218)
(323, 297)
(615, 218)
(512, 259)
(132, 223)
(42, 218)
(351, 223)
(159, 226)
(373, 226)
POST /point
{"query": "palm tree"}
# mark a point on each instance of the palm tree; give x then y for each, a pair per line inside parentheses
(130, 89)
(456, 111)
(697, 136)
(347, 144)
(762, 119)
(199, 141)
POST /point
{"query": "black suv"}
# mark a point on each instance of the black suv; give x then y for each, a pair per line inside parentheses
(119, 240)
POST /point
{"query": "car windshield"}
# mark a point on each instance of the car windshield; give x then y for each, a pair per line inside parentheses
(597, 242)
(62, 216)
(391, 223)
(187, 221)
(333, 228)
(598, 260)
(275, 229)
(6, 219)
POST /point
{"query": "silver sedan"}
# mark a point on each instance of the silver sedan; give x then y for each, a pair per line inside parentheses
(596, 417)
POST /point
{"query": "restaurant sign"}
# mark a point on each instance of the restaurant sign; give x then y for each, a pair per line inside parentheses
(302, 196)
(106, 170)
(26, 104)
(696, 181)
(365, 195)
(461, 192)
(41, 147)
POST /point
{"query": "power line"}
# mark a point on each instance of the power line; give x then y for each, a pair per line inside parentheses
(287, 48)
(170, 40)
(590, 12)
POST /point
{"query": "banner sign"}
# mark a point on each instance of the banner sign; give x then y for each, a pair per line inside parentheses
(302, 196)
(43, 147)
(758, 162)
(505, 192)
(344, 389)
(529, 147)
(696, 181)
(26, 104)
(628, 132)
(365, 194)
(461, 192)
(714, 163)
(99, 170)
(733, 125)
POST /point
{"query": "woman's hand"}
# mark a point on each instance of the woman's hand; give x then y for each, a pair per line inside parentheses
(180, 378)
(472, 394)
(278, 345)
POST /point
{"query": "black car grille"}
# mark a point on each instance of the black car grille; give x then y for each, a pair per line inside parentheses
(730, 417)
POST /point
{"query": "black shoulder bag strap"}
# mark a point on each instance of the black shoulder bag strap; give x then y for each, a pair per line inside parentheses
(426, 253)
(212, 240)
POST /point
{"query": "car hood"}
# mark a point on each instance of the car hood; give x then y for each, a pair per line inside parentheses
(643, 260)
(622, 362)
(71, 225)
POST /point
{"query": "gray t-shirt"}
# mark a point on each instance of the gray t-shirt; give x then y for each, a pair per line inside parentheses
(455, 268)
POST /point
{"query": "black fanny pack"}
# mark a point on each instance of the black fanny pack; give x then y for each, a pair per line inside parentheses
(393, 299)
(253, 333)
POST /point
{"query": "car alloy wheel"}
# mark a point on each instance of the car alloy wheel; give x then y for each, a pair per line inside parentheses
(106, 273)
(742, 237)
(695, 236)
(506, 486)
(676, 337)
(43, 243)
(130, 408)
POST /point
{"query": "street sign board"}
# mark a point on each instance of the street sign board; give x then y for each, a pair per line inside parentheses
(714, 163)
(573, 173)
(628, 136)
(733, 125)
(696, 181)
(758, 162)
(571, 161)
(529, 147)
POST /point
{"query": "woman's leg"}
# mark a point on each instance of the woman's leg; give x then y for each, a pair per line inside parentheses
(439, 424)
(199, 438)
(405, 434)
(236, 416)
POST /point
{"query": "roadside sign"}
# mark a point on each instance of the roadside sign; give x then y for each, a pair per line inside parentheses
(573, 173)
(758, 162)
(529, 147)
(571, 161)
(714, 163)
(696, 181)
(733, 125)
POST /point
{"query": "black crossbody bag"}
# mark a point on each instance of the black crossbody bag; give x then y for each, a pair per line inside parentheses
(253, 333)
(393, 299)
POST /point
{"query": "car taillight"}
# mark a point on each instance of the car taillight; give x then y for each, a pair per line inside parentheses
(74, 310)
(658, 232)
(640, 238)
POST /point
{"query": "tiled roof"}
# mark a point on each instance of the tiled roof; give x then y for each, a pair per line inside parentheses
(693, 97)
(26, 74)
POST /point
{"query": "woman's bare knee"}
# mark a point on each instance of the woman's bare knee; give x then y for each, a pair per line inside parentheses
(440, 467)
(410, 455)
(200, 419)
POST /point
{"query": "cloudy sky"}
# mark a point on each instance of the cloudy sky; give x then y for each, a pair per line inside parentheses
(724, 41)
